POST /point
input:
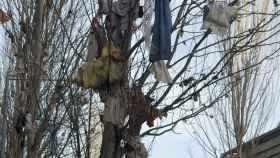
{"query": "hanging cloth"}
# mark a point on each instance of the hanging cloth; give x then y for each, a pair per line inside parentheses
(161, 40)
(121, 12)
(160, 72)
(96, 40)
(98, 72)
(3, 17)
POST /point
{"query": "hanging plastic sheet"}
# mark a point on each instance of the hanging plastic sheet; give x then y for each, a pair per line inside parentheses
(161, 72)
(218, 17)
(161, 40)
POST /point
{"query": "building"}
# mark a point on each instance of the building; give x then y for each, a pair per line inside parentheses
(264, 146)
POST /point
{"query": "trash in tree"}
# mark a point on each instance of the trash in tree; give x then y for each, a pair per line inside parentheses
(136, 148)
(114, 113)
(120, 20)
(96, 40)
(105, 60)
(161, 40)
(218, 17)
(140, 110)
(186, 82)
(3, 17)
(161, 72)
(102, 71)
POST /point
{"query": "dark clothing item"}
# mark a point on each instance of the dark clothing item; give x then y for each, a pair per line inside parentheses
(161, 40)
(120, 17)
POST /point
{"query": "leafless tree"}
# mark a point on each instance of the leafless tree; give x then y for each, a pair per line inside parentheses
(246, 110)
(44, 114)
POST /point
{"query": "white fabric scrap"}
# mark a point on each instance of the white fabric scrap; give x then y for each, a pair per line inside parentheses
(218, 18)
(161, 72)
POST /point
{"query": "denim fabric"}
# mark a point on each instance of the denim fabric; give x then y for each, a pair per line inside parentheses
(161, 40)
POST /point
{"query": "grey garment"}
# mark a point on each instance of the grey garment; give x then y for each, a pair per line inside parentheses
(115, 111)
(122, 11)
(139, 149)
(119, 7)
(96, 40)
(92, 47)
(120, 20)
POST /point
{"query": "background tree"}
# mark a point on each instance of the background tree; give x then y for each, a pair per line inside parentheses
(247, 110)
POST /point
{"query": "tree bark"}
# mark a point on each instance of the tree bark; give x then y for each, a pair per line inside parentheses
(23, 141)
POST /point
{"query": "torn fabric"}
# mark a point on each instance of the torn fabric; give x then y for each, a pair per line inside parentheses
(121, 15)
(160, 71)
(218, 17)
(138, 148)
(96, 40)
(114, 112)
(161, 40)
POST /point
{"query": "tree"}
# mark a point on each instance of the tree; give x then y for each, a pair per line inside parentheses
(246, 110)
(46, 114)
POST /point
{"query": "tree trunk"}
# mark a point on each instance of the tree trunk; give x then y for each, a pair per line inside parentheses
(23, 141)
(119, 137)
(113, 118)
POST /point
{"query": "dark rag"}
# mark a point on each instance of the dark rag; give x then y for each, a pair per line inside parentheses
(161, 40)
